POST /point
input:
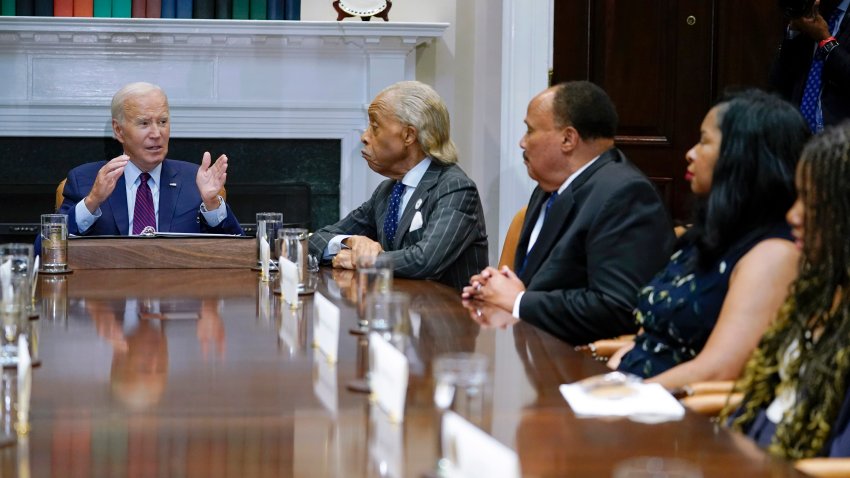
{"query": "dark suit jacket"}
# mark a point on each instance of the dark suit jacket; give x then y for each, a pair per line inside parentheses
(605, 236)
(450, 246)
(178, 205)
(791, 69)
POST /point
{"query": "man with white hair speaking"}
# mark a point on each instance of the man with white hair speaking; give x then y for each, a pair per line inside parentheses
(141, 190)
(427, 216)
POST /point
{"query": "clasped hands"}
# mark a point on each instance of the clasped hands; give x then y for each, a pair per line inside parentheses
(490, 296)
(357, 246)
(209, 180)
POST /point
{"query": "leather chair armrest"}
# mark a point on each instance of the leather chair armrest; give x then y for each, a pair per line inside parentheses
(710, 404)
(825, 467)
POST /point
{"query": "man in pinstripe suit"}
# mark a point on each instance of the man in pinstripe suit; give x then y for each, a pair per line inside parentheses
(427, 216)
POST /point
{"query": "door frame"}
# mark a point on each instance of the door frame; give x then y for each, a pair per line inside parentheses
(526, 61)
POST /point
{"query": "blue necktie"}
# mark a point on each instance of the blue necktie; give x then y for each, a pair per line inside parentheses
(391, 221)
(811, 93)
(548, 206)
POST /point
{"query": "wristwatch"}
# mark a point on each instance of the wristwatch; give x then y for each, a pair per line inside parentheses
(824, 50)
(220, 202)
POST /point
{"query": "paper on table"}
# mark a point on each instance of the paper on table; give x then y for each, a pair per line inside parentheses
(324, 382)
(388, 376)
(650, 401)
(326, 326)
(472, 452)
(201, 235)
(264, 259)
(34, 277)
(386, 442)
(24, 383)
(288, 280)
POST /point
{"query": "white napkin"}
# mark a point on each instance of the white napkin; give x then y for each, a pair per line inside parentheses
(649, 402)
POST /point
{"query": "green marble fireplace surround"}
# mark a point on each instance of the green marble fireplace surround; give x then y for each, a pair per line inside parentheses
(32, 167)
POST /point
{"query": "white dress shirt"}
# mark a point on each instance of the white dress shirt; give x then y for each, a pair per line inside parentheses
(85, 219)
(410, 180)
(539, 225)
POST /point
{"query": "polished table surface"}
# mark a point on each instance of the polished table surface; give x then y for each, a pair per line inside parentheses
(203, 373)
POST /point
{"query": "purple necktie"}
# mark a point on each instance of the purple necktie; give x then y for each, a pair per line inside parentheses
(811, 93)
(143, 214)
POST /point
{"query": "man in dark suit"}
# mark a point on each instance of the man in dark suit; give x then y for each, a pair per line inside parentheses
(595, 230)
(427, 216)
(111, 198)
(812, 68)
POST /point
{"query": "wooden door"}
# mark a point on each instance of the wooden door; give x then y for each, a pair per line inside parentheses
(663, 62)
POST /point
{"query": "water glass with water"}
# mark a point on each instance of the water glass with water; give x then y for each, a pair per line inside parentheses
(54, 243)
(292, 245)
(16, 262)
(268, 223)
(386, 312)
(374, 276)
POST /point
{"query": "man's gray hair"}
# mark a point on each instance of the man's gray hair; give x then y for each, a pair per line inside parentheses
(418, 105)
(132, 90)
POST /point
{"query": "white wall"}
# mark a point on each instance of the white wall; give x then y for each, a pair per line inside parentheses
(464, 66)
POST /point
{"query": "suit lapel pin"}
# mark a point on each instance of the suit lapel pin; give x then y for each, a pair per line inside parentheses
(418, 204)
(173, 185)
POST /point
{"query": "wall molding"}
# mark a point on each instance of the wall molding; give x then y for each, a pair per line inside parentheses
(224, 78)
(526, 59)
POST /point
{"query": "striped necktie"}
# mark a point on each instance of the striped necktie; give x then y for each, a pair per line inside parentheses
(143, 214)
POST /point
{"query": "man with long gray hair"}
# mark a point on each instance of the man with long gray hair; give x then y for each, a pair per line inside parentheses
(427, 216)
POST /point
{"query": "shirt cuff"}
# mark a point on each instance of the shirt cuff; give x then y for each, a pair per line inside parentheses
(217, 215)
(85, 219)
(334, 246)
(515, 312)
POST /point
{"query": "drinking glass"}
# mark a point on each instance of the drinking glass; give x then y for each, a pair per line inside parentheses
(387, 314)
(462, 370)
(656, 467)
(386, 311)
(292, 245)
(54, 243)
(374, 276)
(268, 223)
(16, 261)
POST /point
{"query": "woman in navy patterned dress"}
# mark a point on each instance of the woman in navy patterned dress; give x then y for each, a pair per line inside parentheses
(705, 312)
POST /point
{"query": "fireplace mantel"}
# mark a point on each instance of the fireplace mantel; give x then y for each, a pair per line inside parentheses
(224, 78)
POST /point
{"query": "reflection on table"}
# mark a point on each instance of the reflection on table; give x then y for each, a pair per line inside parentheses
(207, 373)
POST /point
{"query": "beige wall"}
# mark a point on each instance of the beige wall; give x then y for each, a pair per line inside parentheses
(464, 66)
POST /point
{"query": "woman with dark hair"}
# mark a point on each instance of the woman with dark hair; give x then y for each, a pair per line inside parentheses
(706, 311)
(795, 384)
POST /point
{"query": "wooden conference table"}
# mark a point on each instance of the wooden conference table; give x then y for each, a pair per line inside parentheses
(202, 373)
